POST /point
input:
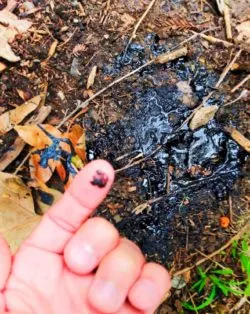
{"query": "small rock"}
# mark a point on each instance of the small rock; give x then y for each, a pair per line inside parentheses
(186, 90)
(74, 70)
(61, 95)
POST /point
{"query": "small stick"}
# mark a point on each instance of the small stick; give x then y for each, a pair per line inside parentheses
(133, 35)
(225, 246)
(214, 40)
(233, 90)
(227, 69)
(230, 203)
(227, 18)
(242, 95)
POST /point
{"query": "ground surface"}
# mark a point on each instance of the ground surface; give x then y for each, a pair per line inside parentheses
(189, 177)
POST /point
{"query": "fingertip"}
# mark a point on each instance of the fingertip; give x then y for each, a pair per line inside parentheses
(92, 183)
(149, 290)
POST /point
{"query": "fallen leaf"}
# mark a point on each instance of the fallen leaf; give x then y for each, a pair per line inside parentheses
(52, 49)
(40, 174)
(16, 148)
(35, 136)
(91, 77)
(239, 138)
(17, 215)
(11, 118)
(77, 138)
(244, 32)
(13, 152)
(10, 26)
(203, 116)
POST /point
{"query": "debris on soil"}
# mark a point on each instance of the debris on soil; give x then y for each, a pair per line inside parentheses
(10, 27)
(17, 213)
(203, 116)
(10, 119)
(239, 138)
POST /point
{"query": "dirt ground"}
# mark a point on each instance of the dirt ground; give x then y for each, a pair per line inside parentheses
(186, 179)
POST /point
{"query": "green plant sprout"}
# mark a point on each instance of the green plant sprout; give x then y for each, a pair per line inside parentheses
(223, 279)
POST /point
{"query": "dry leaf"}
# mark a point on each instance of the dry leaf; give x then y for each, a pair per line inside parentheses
(91, 77)
(203, 116)
(244, 32)
(12, 153)
(35, 136)
(39, 174)
(17, 215)
(16, 148)
(9, 119)
(169, 56)
(77, 138)
(52, 49)
(239, 138)
(8, 33)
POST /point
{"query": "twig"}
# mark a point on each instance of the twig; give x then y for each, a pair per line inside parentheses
(67, 40)
(133, 35)
(227, 69)
(137, 162)
(225, 246)
(233, 90)
(239, 304)
(22, 163)
(230, 203)
(243, 94)
(227, 18)
(214, 40)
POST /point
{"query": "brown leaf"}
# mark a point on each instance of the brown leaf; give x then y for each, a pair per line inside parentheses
(35, 136)
(11, 118)
(91, 77)
(77, 138)
(17, 215)
(239, 138)
(52, 49)
(3, 67)
(40, 175)
(8, 33)
(244, 32)
(203, 116)
(13, 152)
(16, 148)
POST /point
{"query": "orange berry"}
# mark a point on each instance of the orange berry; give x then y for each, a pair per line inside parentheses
(224, 221)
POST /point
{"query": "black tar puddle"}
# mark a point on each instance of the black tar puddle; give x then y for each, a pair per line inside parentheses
(206, 162)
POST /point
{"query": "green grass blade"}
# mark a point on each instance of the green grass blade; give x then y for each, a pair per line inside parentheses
(207, 302)
(225, 271)
(219, 284)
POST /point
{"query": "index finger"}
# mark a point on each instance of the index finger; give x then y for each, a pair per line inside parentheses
(87, 191)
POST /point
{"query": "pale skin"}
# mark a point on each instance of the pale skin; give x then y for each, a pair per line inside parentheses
(73, 264)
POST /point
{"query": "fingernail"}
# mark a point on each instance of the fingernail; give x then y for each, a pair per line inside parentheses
(84, 256)
(107, 292)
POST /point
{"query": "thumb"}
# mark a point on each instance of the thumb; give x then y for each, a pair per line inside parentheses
(5, 262)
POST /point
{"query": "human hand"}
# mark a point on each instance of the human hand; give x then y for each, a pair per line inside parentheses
(75, 264)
